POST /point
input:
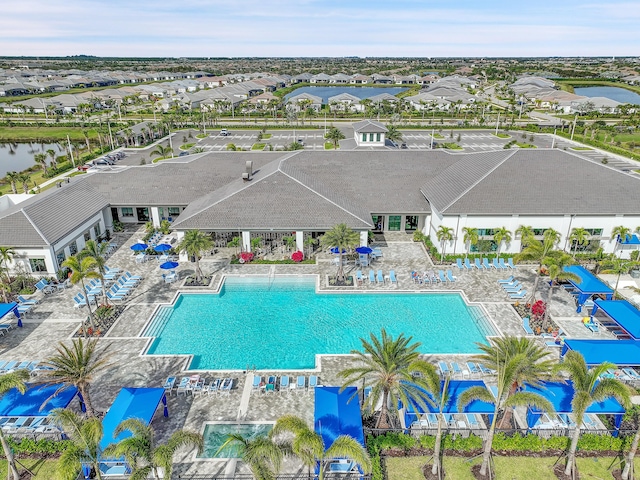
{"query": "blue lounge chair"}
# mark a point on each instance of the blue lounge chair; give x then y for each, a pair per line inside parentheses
(450, 276)
(485, 264)
(526, 326)
(518, 296)
(313, 381)
(380, 277)
(511, 279)
(27, 301)
(512, 288)
(432, 419)
(372, 277)
(631, 373)
(473, 368)
(392, 277)
(459, 263)
(485, 370)
(116, 298)
(44, 287)
(495, 264)
(591, 325)
(479, 265)
(301, 382)
(441, 276)
(257, 381)
(9, 366)
(455, 368)
(510, 264)
(472, 420)
(553, 344)
(359, 277)
(284, 383)
(503, 265)
(467, 264)
(80, 300)
(169, 383)
(24, 308)
(444, 368)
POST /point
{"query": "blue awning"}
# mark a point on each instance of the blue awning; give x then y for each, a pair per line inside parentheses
(588, 285)
(337, 414)
(629, 240)
(14, 404)
(621, 312)
(6, 308)
(618, 352)
(560, 396)
(140, 403)
(456, 388)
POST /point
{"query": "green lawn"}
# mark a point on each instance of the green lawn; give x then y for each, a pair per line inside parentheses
(266, 136)
(202, 135)
(502, 135)
(581, 148)
(258, 146)
(43, 469)
(186, 146)
(18, 133)
(525, 145)
(452, 146)
(328, 146)
(437, 135)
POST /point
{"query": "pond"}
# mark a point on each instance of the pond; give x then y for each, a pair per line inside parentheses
(360, 92)
(618, 94)
(19, 156)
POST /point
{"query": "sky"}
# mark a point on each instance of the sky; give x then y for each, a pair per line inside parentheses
(326, 28)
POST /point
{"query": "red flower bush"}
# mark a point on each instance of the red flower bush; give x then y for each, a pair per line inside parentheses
(246, 256)
(538, 308)
(297, 256)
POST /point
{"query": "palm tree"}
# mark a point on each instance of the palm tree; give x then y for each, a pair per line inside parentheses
(309, 446)
(81, 269)
(52, 154)
(193, 244)
(589, 387)
(444, 234)
(162, 151)
(41, 159)
(526, 234)
(13, 178)
(393, 133)
(617, 267)
(24, 179)
(76, 365)
(387, 365)
(97, 251)
(578, 236)
(557, 274)
(9, 381)
(501, 235)
(84, 448)
(343, 238)
(439, 391)
(6, 257)
(510, 365)
(261, 454)
(470, 237)
(619, 232)
(335, 135)
(538, 250)
(142, 452)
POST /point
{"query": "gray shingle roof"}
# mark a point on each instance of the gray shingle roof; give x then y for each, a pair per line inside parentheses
(369, 126)
(17, 230)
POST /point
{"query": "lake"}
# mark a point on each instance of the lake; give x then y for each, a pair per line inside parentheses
(618, 94)
(19, 156)
(360, 92)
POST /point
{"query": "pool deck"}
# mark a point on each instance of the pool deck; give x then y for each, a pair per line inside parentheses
(55, 319)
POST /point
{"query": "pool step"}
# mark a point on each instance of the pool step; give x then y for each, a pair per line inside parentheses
(159, 321)
(483, 323)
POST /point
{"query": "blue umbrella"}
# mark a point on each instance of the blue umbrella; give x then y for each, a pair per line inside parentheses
(169, 265)
(163, 247)
(364, 250)
(337, 250)
(138, 247)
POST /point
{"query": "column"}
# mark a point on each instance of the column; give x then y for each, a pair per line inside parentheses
(155, 217)
(246, 241)
(183, 255)
(300, 241)
(364, 238)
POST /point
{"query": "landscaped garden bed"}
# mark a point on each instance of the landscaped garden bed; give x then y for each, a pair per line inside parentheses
(192, 281)
(536, 313)
(103, 319)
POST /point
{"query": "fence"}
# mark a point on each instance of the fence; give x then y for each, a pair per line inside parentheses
(291, 476)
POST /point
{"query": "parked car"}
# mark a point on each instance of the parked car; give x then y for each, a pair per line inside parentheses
(301, 141)
(183, 154)
(224, 132)
(404, 146)
(85, 167)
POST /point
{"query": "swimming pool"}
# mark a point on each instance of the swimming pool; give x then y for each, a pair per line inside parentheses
(215, 434)
(282, 323)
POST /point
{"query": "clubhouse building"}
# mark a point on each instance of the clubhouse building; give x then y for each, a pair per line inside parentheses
(306, 193)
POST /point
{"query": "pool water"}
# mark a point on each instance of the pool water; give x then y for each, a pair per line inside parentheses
(282, 323)
(215, 434)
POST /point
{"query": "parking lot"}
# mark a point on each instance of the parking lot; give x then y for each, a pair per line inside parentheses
(246, 139)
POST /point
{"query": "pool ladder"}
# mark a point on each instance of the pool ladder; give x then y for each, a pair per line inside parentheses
(272, 275)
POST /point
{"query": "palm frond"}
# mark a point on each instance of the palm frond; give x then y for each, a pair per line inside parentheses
(529, 399)
(475, 393)
(347, 447)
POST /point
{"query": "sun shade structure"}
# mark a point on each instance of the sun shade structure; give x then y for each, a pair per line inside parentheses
(6, 308)
(618, 352)
(621, 312)
(629, 240)
(140, 403)
(14, 404)
(560, 396)
(456, 388)
(588, 285)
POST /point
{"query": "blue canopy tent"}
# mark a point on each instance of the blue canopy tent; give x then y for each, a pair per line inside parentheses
(15, 404)
(6, 308)
(621, 312)
(456, 388)
(619, 352)
(588, 285)
(629, 240)
(560, 396)
(338, 413)
(140, 403)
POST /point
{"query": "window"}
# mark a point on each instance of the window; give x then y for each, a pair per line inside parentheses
(96, 229)
(377, 137)
(594, 232)
(127, 211)
(538, 232)
(394, 222)
(73, 248)
(37, 265)
(87, 236)
(174, 211)
(364, 137)
(486, 232)
(60, 257)
(371, 137)
(161, 213)
(411, 223)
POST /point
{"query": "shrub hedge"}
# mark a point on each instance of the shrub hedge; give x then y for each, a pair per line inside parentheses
(42, 447)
